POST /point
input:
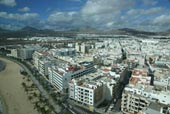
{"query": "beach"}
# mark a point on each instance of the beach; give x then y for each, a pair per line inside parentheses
(12, 91)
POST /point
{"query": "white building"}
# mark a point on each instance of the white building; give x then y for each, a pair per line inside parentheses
(61, 75)
(162, 78)
(14, 53)
(83, 47)
(35, 56)
(138, 94)
(92, 89)
(88, 93)
(43, 65)
(63, 52)
(155, 108)
(58, 78)
(77, 47)
(135, 99)
(25, 53)
(39, 57)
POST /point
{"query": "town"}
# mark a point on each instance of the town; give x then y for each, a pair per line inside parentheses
(117, 74)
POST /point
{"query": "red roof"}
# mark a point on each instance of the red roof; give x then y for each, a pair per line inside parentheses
(137, 72)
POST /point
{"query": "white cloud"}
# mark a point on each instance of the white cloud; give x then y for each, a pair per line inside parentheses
(95, 13)
(145, 11)
(101, 21)
(93, 7)
(57, 17)
(24, 9)
(100, 14)
(162, 20)
(132, 12)
(10, 3)
(150, 2)
(10, 26)
(109, 24)
(153, 10)
(19, 17)
(104, 14)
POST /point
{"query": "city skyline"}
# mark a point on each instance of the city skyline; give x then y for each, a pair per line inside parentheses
(150, 15)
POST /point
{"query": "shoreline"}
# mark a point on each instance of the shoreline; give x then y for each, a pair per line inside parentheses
(3, 106)
(2, 65)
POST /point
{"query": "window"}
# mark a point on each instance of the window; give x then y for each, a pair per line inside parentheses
(86, 90)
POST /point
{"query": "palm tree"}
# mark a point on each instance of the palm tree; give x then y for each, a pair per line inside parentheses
(23, 84)
(35, 94)
(43, 111)
(28, 80)
(38, 108)
(36, 105)
(51, 107)
(26, 88)
(30, 97)
(32, 85)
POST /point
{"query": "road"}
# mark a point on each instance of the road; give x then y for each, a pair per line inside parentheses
(66, 105)
(76, 108)
(63, 105)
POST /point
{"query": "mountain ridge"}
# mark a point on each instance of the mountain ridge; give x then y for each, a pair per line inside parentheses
(29, 31)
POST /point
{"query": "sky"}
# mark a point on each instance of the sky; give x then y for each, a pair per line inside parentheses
(148, 15)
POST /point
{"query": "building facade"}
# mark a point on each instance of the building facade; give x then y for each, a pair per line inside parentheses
(60, 77)
(90, 93)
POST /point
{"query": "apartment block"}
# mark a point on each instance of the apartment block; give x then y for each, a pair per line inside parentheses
(60, 75)
(132, 103)
(92, 89)
(138, 94)
(43, 65)
(88, 93)
(42, 62)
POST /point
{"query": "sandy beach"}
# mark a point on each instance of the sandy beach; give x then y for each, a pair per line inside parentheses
(12, 92)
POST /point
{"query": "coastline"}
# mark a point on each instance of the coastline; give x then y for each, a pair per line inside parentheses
(2, 65)
(3, 106)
